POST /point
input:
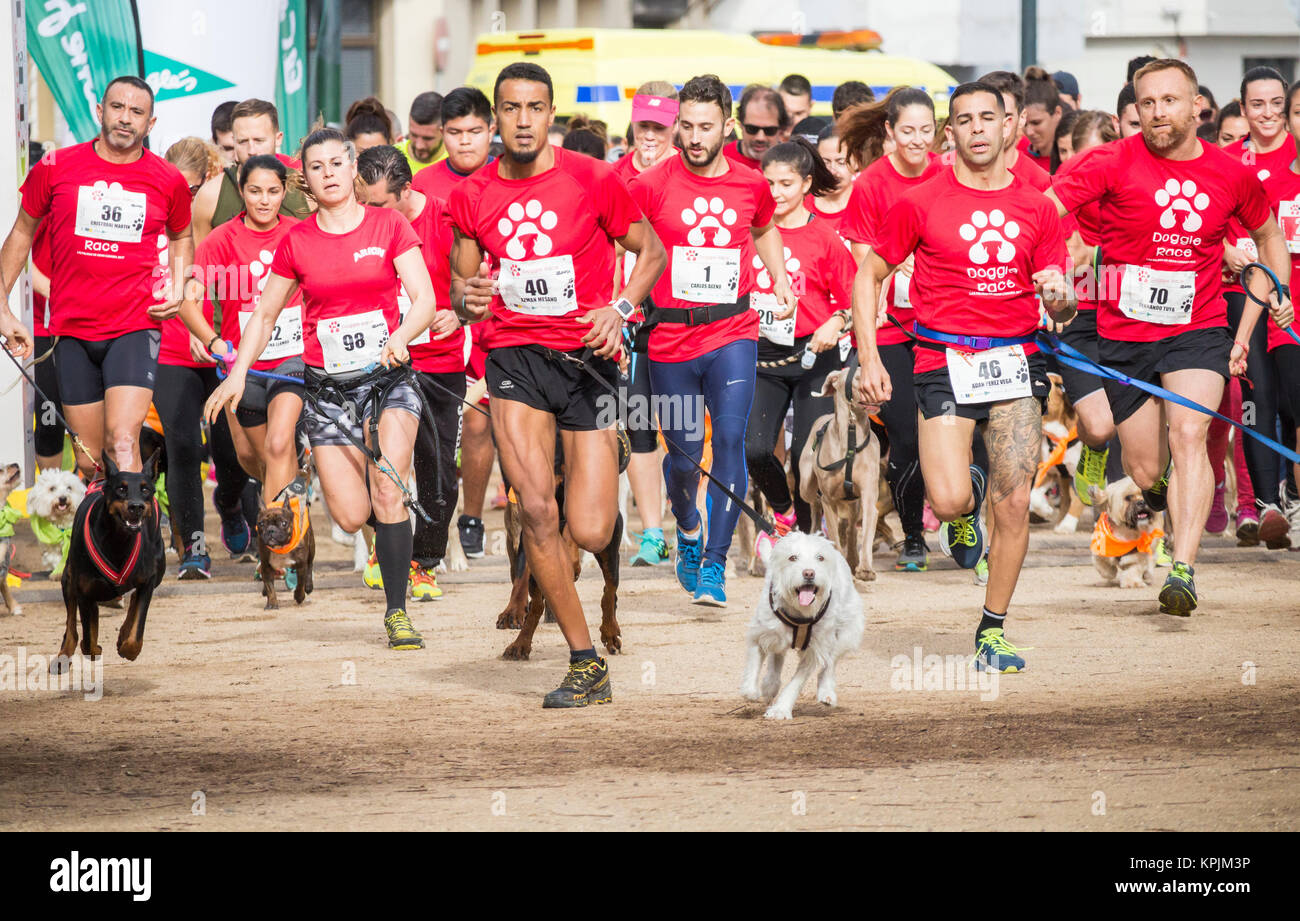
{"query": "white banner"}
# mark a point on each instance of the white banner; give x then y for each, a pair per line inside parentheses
(200, 53)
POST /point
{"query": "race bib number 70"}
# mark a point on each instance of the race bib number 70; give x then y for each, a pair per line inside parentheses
(1156, 296)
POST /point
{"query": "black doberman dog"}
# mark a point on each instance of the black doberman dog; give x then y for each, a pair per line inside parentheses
(117, 547)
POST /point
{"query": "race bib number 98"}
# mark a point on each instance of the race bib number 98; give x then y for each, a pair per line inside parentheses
(1156, 296)
(988, 376)
(352, 343)
(706, 275)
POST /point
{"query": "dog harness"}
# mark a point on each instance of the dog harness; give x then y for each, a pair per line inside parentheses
(1105, 543)
(801, 627)
(294, 497)
(95, 495)
(850, 490)
(1057, 455)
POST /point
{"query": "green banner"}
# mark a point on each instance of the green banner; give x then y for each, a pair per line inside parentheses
(291, 74)
(79, 46)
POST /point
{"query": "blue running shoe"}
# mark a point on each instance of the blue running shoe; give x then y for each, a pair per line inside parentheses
(290, 578)
(963, 538)
(195, 566)
(994, 654)
(653, 551)
(712, 587)
(235, 534)
(688, 561)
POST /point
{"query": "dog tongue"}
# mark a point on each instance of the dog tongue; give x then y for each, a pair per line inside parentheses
(806, 596)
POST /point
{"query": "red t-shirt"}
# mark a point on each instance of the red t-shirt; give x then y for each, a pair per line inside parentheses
(438, 179)
(976, 254)
(820, 270)
(1282, 186)
(108, 222)
(1087, 221)
(704, 224)
(875, 191)
(1163, 224)
(834, 218)
(732, 152)
(1263, 165)
(346, 275)
(234, 262)
(291, 162)
(41, 260)
(433, 226)
(1030, 170)
(557, 231)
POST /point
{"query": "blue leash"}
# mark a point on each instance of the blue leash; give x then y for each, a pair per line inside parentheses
(1277, 286)
(223, 371)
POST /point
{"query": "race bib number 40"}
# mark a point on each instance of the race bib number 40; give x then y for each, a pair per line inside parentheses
(777, 332)
(352, 343)
(706, 275)
(541, 287)
(1156, 296)
(286, 338)
(105, 213)
(988, 376)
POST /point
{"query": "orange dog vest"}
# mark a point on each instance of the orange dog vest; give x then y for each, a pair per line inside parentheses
(1105, 543)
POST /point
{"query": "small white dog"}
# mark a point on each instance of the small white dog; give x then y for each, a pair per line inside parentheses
(52, 504)
(809, 604)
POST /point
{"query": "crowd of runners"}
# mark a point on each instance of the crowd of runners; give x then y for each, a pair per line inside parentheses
(388, 308)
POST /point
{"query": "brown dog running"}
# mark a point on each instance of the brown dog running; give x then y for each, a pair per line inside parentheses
(285, 540)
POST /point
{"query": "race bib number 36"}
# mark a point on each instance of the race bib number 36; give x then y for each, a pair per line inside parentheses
(988, 376)
(1156, 296)
(777, 332)
(352, 343)
(286, 338)
(541, 287)
(110, 213)
(706, 275)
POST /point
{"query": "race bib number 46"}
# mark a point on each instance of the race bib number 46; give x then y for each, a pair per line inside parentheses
(110, 213)
(777, 332)
(286, 338)
(352, 343)
(706, 275)
(988, 376)
(541, 287)
(1156, 296)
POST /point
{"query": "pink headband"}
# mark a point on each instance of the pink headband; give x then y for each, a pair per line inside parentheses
(654, 109)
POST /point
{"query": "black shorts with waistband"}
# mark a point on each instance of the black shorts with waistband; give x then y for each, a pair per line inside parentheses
(1204, 349)
(545, 380)
(934, 396)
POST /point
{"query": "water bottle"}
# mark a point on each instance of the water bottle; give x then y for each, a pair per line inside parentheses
(809, 357)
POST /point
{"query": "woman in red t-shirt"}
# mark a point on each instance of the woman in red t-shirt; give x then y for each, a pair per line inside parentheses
(347, 260)
(796, 354)
(833, 204)
(234, 264)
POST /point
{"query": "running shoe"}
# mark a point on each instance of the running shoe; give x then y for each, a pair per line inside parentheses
(1157, 497)
(291, 577)
(401, 633)
(195, 566)
(1247, 528)
(1090, 472)
(236, 535)
(1274, 529)
(994, 654)
(982, 571)
(1217, 522)
(711, 587)
(372, 575)
(1164, 559)
(424, 583)
(963, 537)
(587, 682)
(1178, 597)
(471, 536)
(929, 523)
(653, 551)
(784, 524)
(688, 561)
(913, 557)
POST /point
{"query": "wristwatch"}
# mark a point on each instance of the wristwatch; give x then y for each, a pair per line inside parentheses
(624, 307)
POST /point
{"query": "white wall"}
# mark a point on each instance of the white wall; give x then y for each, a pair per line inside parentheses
(15, 404)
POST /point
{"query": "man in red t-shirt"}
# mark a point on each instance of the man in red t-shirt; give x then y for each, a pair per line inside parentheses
(763, 124)
(547, 220)
(1015, 146)
(986, 244)
(112, 206)
(1166, 199)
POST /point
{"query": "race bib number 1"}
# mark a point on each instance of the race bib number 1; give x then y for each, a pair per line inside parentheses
(706, 275)
(777, 332)
(286, 338)
(1156, 296)
(110, 213)
(988, 376)
(352, 343)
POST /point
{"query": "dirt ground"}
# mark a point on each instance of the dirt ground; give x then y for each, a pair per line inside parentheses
(239, 718)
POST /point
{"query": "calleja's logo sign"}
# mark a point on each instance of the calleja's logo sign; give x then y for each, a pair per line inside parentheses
(170, 78)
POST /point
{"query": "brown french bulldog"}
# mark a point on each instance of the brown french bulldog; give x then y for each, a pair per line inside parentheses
(285, 545)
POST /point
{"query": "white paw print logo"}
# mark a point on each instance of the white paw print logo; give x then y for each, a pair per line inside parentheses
(259, 269)
(527, 220)
(708, 214)
(990, 228)
(764, 280)
(1174, 198)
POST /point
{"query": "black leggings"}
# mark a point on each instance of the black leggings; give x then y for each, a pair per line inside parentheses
(903, 470)
(435, 471)
(179, 399)
(49, 430)
(1260, 460)
(774, 390)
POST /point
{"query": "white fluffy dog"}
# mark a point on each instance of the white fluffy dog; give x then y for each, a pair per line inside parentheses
(54, 499)
(809, 604)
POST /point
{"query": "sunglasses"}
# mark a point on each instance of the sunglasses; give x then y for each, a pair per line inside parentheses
(769, 130)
